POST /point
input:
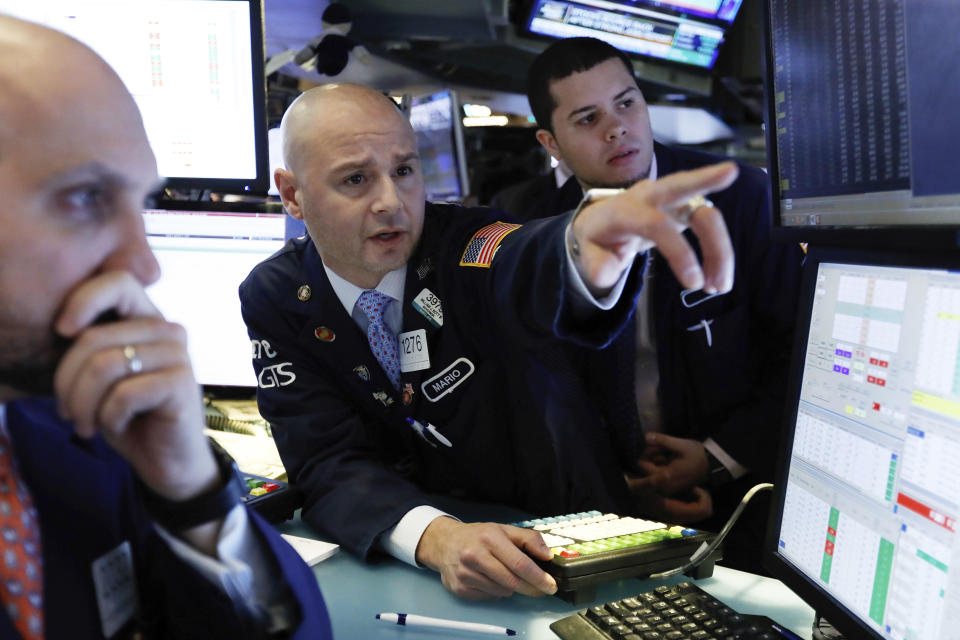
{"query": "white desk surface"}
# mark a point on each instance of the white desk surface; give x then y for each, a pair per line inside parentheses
(355, 592)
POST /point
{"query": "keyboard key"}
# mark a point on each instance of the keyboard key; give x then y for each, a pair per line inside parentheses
(609, 622)
(596, 613)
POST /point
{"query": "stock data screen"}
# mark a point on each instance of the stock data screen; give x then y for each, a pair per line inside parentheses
(873, 485)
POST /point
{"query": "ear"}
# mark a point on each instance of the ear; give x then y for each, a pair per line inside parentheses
(548, 142)
(286, 183)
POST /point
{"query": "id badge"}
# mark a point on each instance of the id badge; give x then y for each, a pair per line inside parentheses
(116, 588)
(414, 355)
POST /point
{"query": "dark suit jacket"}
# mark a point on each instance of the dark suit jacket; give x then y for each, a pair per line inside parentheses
(501, 385)
(88, 505)
(732, 389)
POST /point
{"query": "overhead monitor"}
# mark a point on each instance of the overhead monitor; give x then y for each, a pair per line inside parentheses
(195, 69)
(436, 120)
(861, 122)
(865, 524)
(684, 32)
(205, 251)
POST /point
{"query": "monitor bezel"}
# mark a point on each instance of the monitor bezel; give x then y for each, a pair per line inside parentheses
(865, 236)
(458, 141)
(826, 606)
(526, 15)
(259, 184)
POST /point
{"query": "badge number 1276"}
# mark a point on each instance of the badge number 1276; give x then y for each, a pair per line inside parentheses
(414, 355)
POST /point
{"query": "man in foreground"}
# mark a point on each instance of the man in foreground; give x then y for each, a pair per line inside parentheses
(479, 401)
(117, 518)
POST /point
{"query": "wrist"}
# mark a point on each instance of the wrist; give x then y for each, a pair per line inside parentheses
(717, 473)
(427, 553)
(211, 504)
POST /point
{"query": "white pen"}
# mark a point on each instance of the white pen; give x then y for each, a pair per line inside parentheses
(429, 433)
(412, 620)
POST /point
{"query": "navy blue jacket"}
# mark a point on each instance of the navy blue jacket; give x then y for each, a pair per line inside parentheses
(87, 505)
(733, 389)
(502, 386)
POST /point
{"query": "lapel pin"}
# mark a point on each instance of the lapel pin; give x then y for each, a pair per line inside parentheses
(323, 334)
(407, 394)
(362, 372)
(304, 293)
(383, 398)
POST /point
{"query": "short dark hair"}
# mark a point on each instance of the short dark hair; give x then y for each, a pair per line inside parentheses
(559, 60)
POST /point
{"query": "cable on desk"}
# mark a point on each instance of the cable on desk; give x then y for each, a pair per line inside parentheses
(705, 549)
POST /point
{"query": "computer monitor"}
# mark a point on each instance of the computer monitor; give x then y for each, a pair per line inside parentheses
(684, 32)
(864, 522)
(195, 69)
(205, 250)
(436, 120)
(862, 124)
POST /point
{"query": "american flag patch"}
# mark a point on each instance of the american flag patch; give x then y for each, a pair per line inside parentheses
(484, 243)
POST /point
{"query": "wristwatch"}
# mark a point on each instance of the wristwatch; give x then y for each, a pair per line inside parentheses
(717, 474)
(592, 195)
(213, 504)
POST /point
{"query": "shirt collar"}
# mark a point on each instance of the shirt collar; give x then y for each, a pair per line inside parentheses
(392, 284)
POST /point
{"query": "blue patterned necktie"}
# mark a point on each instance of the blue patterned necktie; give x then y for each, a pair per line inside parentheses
(383, 342)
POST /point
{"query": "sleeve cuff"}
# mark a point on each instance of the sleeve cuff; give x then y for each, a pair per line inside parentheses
(735, 468)
(574, 280)
(239, 556)
(402, 539)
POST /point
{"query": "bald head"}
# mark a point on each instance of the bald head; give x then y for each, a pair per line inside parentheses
(323, 110)
(42, 71)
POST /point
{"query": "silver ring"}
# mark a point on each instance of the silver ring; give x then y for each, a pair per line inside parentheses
(134, 363)
(684, 213)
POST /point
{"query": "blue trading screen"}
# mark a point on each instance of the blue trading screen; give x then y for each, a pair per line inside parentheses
(686, 32)
(864, 119)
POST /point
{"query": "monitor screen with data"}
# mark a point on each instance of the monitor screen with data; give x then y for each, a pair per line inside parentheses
(195, 69)
(861, 122)
(865, 522)
(204, 255)
(685, 32)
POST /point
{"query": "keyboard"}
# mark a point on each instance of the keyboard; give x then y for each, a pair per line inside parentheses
(275, 500)
(681, 612)
(590, 548)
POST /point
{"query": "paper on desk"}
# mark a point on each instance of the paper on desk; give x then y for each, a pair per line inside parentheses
(312, 551)
(254, 454)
